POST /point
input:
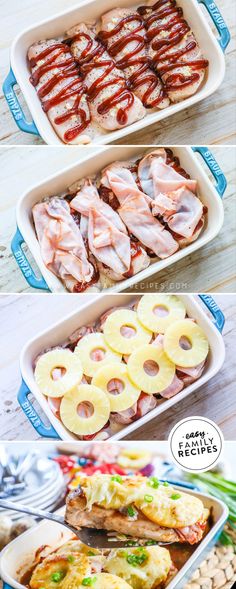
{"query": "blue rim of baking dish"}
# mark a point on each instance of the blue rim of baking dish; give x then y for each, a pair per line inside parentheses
(41, 284)
(49, 431)
(30, 126)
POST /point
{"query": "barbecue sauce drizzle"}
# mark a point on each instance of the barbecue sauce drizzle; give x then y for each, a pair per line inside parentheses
(64, 69)
(144, 74)
(177, 28)
(89, 59)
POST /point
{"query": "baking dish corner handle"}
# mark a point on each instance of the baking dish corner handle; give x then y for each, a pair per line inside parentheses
(6, 586)
(24, 265)
(32, 415)
(209, 159)
(15, 107)
(215, 311)
(218, 21)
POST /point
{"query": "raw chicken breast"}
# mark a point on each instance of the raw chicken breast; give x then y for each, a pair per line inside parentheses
(135, 212)
(112, 104)
(61, 244)
(55, 75)
(173, 49)
(123, 33)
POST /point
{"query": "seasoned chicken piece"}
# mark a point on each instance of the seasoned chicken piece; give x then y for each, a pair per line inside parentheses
(112, 104)
(135, 212)
(173, 49)
(61, 244)
(55, 75)
(123, 33)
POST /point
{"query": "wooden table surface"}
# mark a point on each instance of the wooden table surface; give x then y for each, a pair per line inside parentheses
(23, 316)
(212, 120)
(211, 268)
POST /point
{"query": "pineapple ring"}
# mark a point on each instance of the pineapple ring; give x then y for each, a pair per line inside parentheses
(148, 318)
(113, 336)
(89, 344)
(85, 393)
(57, 359)
(130, 393)
(199, 344)
(133, 459)
(151, 384)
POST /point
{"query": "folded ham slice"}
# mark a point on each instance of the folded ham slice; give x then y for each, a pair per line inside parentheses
(123, 33)
(55, 75)
(61, 244)
(157, 177)
(135, 212)
(107, 235)
(173, 49)
(180, 209)
(112, 104)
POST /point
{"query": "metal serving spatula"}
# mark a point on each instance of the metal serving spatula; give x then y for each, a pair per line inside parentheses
(99, 539)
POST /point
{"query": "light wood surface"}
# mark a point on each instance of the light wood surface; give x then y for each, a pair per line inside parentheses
(212, 268)
(24, 316)
(210, 121)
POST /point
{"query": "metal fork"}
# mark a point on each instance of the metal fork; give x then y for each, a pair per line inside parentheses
(99, 539)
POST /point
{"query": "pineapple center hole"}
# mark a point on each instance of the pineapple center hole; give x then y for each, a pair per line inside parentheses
(128, 331)
(151, 367)
(160, 310)
(85, 409)
(98, 354)
(115, 386)
(185, 343)
(58, 372)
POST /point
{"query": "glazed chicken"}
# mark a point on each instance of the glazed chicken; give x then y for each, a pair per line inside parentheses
(123, 33)
(173, 49)
(61, 244)
(112, 104)
(59, 86)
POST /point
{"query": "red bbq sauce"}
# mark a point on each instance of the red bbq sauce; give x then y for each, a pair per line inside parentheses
(66, 68)
(176, 27)
(142, 75)
(92, 57)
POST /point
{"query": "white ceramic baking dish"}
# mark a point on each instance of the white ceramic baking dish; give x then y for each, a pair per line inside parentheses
(89, 313)
(20, 552)
(89, 165)
(90, 10)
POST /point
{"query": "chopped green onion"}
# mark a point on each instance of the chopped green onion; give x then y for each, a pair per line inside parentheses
(136, 559)
(70, 558)
(153, 482)
(117, 478)
(148, 498)
(131, 511)
(57, 577)
(165, 484)
(175, 496)
(91, 553)
(131, 543)
(151, 543)
(88, 581)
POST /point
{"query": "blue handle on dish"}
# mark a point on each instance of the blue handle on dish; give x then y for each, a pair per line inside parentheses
(29, 411)
(24, 265)
(189, 486)
(207, 155)
(218, 22)
(215, 311)
(15, 107)
(6, 586)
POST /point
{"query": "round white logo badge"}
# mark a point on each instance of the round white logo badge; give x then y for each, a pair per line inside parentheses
(196, 444)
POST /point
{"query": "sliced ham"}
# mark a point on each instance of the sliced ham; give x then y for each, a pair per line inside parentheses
(88, 197)
(180, 209)
(123, 33)
(158, 177)
(192, 534)
(135, 213)
(55, 75)
(61, 244)
(173, 49)
(173, 389)
(145, 404)
(189, 375)
(112, 104)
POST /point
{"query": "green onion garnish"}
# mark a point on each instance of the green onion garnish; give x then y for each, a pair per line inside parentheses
(57, 577)
(88, 581)
(70, 558)
(137, 559)
(153, 482)
(175, 496)
(131, 511)
(117, 478)
(165, 484)
(148, 498)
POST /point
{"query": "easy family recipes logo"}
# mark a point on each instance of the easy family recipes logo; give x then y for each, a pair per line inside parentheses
(196, 444)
